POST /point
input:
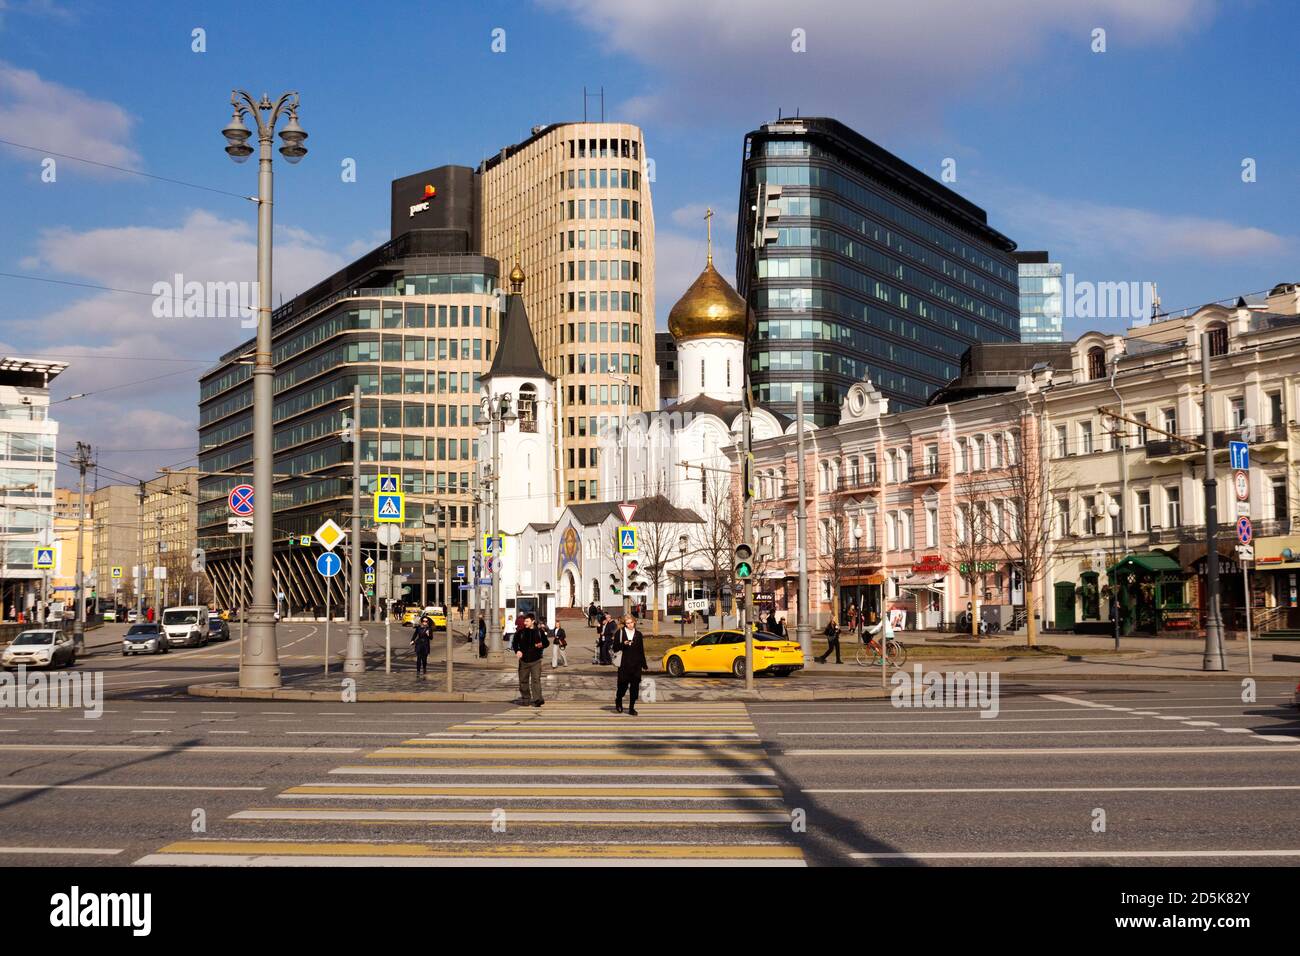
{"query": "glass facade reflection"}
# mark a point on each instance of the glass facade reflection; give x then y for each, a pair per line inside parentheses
(870, 269)
(1042, 309)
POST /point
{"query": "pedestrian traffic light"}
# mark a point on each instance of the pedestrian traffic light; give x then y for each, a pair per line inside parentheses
(744, 562)
(615, 583)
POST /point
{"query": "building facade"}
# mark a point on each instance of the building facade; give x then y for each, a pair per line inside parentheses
(572, 204)
(1042, 298)
(413, 324)
(116, 527)
(28, 442)
(866, 268)
(170, 537)
(922, 512)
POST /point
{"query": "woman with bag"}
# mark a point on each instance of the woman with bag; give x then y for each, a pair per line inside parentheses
(559, 647)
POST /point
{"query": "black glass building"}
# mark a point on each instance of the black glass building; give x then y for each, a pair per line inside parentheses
(870, 268)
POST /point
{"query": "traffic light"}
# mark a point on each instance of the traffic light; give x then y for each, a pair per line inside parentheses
(635, 580)
(615, 583)
(744, 562)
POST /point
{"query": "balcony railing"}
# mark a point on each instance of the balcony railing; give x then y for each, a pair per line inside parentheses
(861, 481)
(928, 471)
(1189, 443)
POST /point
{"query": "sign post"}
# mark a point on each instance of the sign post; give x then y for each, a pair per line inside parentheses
(328, 564)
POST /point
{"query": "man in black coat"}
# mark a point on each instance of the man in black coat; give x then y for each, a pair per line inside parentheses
(528, 644)
(630, 642)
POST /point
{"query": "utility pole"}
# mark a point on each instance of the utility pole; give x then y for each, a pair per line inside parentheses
(747, 535)
(139, 570)
(446, 584)
(354, 661)
(158, 562)
(1213, 659)
(83, 462)
(802, 630)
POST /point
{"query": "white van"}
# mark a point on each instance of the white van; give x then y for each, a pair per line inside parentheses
(185, 626)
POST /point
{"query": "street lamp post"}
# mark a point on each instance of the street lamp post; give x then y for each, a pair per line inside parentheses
(681, 582)
(261, 666)
(496, 413)
(857, 566)
(1113, 510)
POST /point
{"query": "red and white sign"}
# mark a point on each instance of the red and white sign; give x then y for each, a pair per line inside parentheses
(1241, 484)
(241, 500)
(627, 511)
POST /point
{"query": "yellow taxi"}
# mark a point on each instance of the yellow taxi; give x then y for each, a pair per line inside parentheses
(436, 614)
(718, 652)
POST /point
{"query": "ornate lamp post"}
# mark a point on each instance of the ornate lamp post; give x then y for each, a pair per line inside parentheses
(260, 664)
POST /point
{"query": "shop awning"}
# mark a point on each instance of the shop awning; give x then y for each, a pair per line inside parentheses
(1153, 563)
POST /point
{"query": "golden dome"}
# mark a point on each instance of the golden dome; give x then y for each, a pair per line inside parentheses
(516, 278)
(711, 308)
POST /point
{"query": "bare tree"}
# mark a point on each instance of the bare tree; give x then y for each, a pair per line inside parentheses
(834, 558)
(975, 535)
(715, 538)
(1026, 482)
(661, 525)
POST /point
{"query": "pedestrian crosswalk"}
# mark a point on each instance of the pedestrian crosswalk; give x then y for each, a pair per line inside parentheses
(568, 784)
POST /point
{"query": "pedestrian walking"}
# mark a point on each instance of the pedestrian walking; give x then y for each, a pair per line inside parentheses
(482, 636)
(607, 639)
(559, 648)
(422, 640)
(528, 644)
(832, 634)
(630, 644)
(593, 615)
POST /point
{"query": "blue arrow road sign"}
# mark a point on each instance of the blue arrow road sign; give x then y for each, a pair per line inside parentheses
(1239, 455)
(328, 564)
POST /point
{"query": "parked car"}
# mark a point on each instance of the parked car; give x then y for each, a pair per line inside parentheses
(108, 614)
(218, 629)
(44, 647)
(145, 639)
(723, 651)
(132, 616)
(185, 626)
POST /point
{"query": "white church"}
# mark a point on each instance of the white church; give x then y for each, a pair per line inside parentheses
(679, 463)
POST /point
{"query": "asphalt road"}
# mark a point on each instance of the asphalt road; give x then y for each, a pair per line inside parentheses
(1166, 772)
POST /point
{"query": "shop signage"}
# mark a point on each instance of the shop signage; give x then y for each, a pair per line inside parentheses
(930, 564)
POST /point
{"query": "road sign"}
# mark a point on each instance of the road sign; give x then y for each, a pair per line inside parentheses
(370, 562)
(1241, 485)
(370, 578)
(43, 559)
(388, 534)
(1243, 508)
(237, 525)
(1239, 455)
(694, 605)
(626, 539)
(329, 564)
(117, 572)
(390, 484)
(241, 500)
(460, 572)
(329, 534)
(1244, 530)
(304, 540)
(492, 544)
(390, 507)
(627, 511)
(1245, 552)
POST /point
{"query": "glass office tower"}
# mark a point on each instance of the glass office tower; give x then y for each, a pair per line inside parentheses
(869, 269)
(1042, 308)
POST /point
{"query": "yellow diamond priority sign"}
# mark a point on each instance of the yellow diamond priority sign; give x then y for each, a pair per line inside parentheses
(329, 534)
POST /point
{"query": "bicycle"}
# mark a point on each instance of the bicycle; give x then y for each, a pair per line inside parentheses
(868, 652)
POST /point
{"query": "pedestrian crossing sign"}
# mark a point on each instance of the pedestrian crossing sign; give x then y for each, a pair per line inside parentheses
(370, 579)
(390, 507)
(390, 484)
(626, 539)
(43, 560)
(492, 544)
(117, 572)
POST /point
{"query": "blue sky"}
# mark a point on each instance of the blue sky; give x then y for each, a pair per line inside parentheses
(1126, 164)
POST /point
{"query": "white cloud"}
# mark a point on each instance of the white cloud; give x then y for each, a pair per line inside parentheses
(43, 113)
(1085, 228)
(107, 334)
(876, 64)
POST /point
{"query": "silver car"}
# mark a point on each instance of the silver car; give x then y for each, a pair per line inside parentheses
(46, 647)
(145, 639)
